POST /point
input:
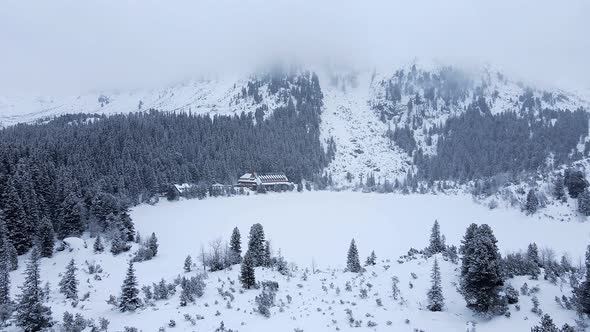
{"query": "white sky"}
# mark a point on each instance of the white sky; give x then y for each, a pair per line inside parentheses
(59, 46)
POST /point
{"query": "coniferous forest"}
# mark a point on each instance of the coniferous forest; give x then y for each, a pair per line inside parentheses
(76, 170)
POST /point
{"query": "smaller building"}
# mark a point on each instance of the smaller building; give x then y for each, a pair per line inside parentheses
(264, 181)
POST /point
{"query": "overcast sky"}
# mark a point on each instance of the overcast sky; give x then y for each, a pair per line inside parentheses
(58, 46)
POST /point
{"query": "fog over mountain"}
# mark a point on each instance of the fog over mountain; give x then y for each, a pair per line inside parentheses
(66, 47)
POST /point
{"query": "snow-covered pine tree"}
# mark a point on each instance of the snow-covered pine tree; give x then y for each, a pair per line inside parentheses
(481, 277)
(281, 264)
(436, 300)
(532, 253)
(152, 244)
(575, 181)
(469, 235)
(372, 259)
(256, 243)
(247, 276)
(98, 246)
(547, 325)
(583, 290)
(119, 243)
(188, 264)
(71, 217)
(68, 285)
(5, 303)
(16, 221)
(559, 189)
(267, 258)
(46, 238)
(436, 243)
(235, 246)
(584, 203)
(129, 300)
(127, 224)
(12, 255)
(31, 314)
(352, 259)
(7, 250)
(532, 202)
(532, 256)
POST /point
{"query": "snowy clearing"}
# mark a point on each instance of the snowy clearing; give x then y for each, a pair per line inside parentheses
(315, 226)
(319, 225)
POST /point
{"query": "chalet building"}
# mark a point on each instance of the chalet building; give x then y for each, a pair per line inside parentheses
(264, 181)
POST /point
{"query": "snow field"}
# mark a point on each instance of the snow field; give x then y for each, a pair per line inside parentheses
(315, 226)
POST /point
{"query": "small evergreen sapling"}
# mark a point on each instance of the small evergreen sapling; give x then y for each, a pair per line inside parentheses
(235, 246)
(372, 259)
(247, 276)
(352, 259)
(188, 264)
(436, 242)
(129, 300)
(98, 246)
(532, 202)
(435, 295)
(152, 244)
(68, 285)
(584, 203)
(267, 257)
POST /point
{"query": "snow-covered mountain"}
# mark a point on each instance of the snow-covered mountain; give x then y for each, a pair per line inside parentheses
(359, 106)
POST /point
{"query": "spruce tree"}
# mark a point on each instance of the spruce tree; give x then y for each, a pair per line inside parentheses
(558, 188)
(436, 243)
(31, 314)
(533, 260)
(436, 300)
(481, 276)
(127, 224)
(547, 325)
(267, 258)
(16, 221)
(372, 259)
(7, 250)
(12, 256)
(5, 303)
(575, 181)
(71, 217)
(532, 202)
(583, 290)
(256, 244)
(129, 300)
(98, 246)
(584, 203)
(152, 244)
(235, 246)
(68, 284)
(188, 264)
(247, 276)
(467, 239)
(352, 259)
(46, 238)
(119, 243)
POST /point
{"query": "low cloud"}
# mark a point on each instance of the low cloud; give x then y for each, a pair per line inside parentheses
(60, 46)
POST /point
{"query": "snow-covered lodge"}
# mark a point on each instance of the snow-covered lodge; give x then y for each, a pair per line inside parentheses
(268, 181)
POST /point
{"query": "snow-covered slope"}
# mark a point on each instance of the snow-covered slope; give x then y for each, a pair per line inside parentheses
(359, 107)
(315, 228)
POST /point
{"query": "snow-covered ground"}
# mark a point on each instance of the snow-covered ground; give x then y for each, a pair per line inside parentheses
(317, 227)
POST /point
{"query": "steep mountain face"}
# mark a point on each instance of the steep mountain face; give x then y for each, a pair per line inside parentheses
(382, 124)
